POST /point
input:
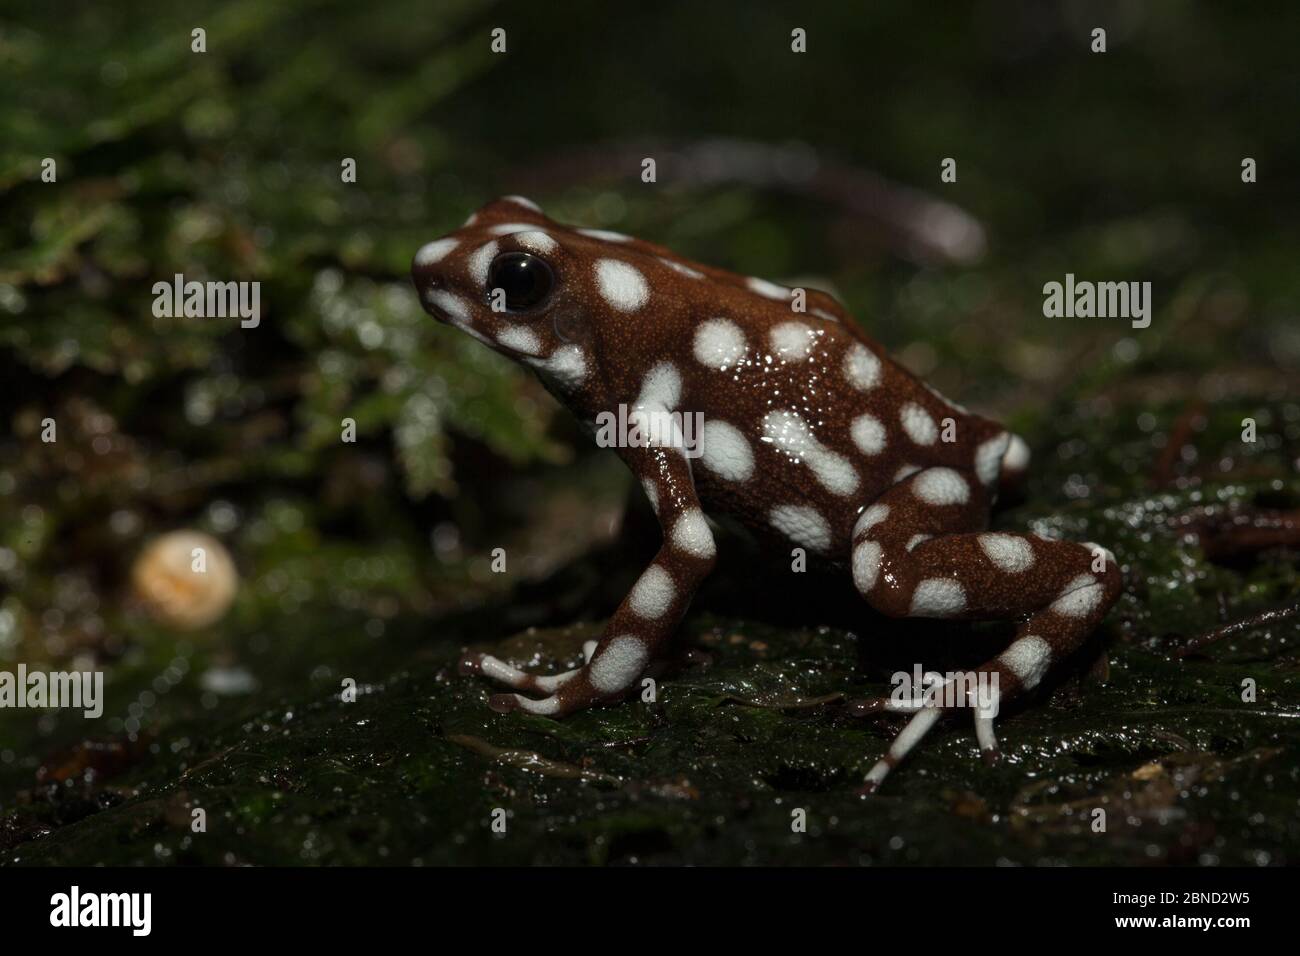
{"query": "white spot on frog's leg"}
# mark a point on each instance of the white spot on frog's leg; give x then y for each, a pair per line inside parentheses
(792, 341)
(682, 269)
(535, 240)
(661, 387)
(911, 735)
(918, 424)
(866, 565)
(1080, 597)
(869, 519)
(803, 525)
(479, 262)
(435, 251)
(651, 492)
(725, 451)
(604, 234)
(868, 434)
(988, 458)
(938, 597)
(1008, 552)
(769, 290)
(619, 664)
(523, 201)
(941, 486)
(823, 314)
(861, 367)
(1016, 457)
(719, 344)
(519, 339)
(566, 366)
(1028, 658)
(652, 594)
(691, 534)
(916, 539)
(621, 285)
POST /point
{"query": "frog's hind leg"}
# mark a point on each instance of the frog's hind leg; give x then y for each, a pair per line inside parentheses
(917, 553)
(499, 670)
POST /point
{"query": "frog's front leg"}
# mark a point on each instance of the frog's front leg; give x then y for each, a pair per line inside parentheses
(917, 552)
(648, 615)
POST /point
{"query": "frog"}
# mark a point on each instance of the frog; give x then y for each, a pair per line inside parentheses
(812, 439)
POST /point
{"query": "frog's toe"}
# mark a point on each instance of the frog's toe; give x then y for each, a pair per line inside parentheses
(881, 705)
(475, 664)
(911, 735)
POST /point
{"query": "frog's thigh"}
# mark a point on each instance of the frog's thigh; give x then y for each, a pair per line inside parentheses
(916, 553)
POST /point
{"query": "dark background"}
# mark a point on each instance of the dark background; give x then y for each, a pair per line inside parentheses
(369, 561)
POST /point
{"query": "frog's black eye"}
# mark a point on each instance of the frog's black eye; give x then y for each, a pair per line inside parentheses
(526, 280)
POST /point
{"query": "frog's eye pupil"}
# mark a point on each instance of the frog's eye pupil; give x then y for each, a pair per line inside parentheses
(526, 280)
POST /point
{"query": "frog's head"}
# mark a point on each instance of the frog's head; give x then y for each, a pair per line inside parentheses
(510, 277)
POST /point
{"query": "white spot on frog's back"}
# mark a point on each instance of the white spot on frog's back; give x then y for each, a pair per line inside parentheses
(941, 486)
(918, 424)
(719, 344)
(861, 367)
(803, 525)
(1008, 552)
(769, 290)
(480, 261)
(789, 433)
(725, 451)
(436, 251)
(868, 434)
(792, 341)
(621, 285)
(619, 664)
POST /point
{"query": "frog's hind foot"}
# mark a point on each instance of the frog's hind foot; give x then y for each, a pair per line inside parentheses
(925, 714)
(474, 663)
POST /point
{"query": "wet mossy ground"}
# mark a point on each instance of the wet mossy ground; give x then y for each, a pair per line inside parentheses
(748, 726)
